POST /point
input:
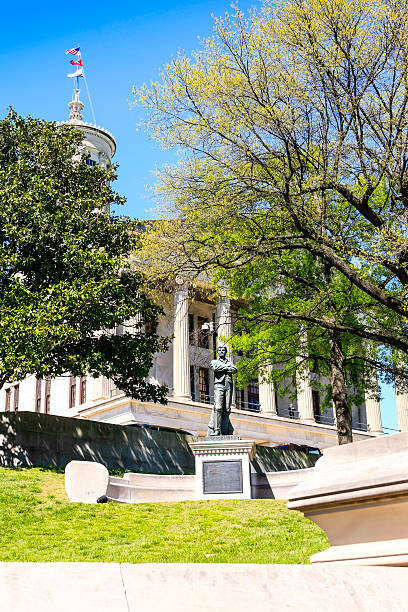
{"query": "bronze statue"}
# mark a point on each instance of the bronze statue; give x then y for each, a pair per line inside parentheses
(220, 424)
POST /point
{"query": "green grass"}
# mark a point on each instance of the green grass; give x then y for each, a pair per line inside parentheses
(38, 523)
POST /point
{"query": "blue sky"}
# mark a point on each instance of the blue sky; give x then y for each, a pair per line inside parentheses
(123, 44)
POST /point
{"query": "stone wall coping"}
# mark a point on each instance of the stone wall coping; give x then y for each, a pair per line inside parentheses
(157, 477)
(383, 552)
(380, 446)
(317, 499)
(370, 469)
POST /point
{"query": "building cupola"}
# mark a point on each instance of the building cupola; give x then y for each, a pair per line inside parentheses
(98, 143)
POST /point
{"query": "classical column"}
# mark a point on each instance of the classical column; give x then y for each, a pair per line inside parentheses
(181, 351)
(267, 399)
(401, 394)
(373, 414)
(224, 325)
(373, 410)
(402, 410)
(304, 395)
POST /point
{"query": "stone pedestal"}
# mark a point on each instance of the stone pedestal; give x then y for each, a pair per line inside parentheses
(358, 494)
(223, 467)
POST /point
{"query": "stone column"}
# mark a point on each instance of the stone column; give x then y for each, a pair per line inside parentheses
(402, 410)
(373, 414)
(304, 395)
(267, 392)
(181, 350)
(402, 400)
(224, 325)
(373, 410)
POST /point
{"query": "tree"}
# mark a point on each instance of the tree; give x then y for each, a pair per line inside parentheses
(66, 277)
(296, 313)
(293, 126)
(300, 110)
(280, 327)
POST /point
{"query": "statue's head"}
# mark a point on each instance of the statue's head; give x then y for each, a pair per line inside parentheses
(222, 351)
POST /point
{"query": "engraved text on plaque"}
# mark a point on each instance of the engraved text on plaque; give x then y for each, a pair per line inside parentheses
(222, 476)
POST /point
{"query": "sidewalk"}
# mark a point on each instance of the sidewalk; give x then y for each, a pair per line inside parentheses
(114, 587)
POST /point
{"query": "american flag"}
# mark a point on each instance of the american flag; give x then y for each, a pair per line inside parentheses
(75, 51)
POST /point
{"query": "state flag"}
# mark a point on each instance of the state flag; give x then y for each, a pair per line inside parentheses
(78, 73)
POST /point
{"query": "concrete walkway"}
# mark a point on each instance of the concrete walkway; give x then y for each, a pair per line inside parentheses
(114, 587)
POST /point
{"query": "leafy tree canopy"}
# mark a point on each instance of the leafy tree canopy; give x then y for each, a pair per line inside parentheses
(66, 277)
(291, 122)
(299, 110)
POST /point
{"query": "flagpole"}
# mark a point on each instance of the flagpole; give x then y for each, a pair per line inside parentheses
(89, 95)
(79, 58)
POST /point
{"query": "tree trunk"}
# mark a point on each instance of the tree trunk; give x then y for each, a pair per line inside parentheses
(339, 391)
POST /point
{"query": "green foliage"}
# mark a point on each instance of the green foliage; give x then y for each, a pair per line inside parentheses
(291, 124)
(65, 276)
(37, 523)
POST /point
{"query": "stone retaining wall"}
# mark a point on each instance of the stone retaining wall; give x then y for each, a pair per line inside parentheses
(33, 439)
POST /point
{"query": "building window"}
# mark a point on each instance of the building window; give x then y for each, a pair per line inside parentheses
(16, 397)
(90, 162)
(82, 390)
(7, 402)
(192, 384)
(203, 336)
(191, 329)
(240, 398)
(72, 391)
(253, 395)
(316, 405)
(47, 399)
(37, 405)
(204, 385)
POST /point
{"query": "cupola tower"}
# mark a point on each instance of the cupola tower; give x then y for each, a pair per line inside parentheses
(98, 142)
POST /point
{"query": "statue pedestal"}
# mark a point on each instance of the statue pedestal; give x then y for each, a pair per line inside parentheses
(223, 467)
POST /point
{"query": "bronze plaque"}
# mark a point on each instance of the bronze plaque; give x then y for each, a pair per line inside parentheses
(222, 476)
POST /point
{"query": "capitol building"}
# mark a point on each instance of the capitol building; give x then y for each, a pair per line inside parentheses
(258, 412)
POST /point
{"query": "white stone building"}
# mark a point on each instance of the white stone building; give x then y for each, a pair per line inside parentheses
(258, 412)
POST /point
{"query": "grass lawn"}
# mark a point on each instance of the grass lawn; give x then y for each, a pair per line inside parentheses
(38, 523)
